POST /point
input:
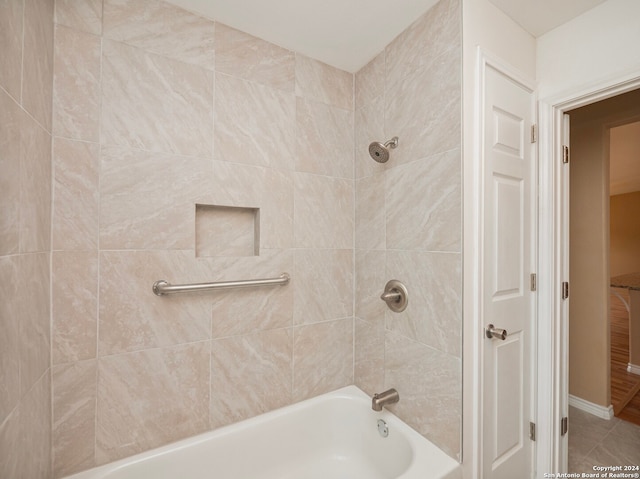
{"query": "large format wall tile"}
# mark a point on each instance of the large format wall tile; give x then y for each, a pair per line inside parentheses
(436, 32)
(10, 459)
(369, 367)
(324, 139)
(25, 183)
(430, 387)
(147, 200)
(35, 418)
(34, 312)
(370, 127)
(37, 84)
(76, 167)
(25, 436)
(424, 109)
(11, 118)
(434, 313)
(270, 190)
(371, 277)
(133, 318)
(74, 416)
(82, 15)
(321, 82)
(323, 358)
(26, 68)
(162, 28)
(244, 311)
(11, 28)
(323, 212)
(370, 81)
(371, 227)
(323, 285)
(424, 204)
(75, 305)
(149, 398)
(245, 56)
(276, 209)
(76, 84)
(250, 375)
(247, 310)
(155, 103)
(9, 337)
(35, 187)
(255, 124)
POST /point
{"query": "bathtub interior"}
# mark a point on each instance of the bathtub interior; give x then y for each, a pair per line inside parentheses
(332, 436)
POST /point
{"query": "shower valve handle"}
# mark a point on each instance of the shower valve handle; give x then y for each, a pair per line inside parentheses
(396, 296)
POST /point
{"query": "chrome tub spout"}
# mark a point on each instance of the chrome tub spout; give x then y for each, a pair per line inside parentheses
(383, 399)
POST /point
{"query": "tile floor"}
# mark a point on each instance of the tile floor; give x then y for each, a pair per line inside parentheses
(598, 442)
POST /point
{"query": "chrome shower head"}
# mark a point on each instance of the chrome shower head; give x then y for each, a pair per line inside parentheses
(380, 151)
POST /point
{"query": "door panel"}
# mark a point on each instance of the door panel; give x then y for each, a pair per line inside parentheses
(508, 245)
(508, 370)
(508, 224)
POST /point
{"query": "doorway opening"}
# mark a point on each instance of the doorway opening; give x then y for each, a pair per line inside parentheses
(553, 264)
(624, 259)
(599, 141)
(599, 386)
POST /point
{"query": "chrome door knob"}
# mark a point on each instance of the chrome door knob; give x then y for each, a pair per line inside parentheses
(495, 333)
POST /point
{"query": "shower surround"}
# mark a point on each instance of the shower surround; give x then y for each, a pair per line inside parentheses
(26, 72)
(161, 121)
(408, 225)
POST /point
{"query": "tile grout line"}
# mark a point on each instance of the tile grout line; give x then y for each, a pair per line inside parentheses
(98, 245)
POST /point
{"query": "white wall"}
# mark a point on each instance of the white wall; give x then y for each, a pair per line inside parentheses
(485, 26)
(589, 261)
(598, 46)
(624, 221)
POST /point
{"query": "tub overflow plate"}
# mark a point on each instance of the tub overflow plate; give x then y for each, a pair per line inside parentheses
(382, 428)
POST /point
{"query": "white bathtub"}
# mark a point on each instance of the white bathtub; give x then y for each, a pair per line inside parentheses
(333, 436)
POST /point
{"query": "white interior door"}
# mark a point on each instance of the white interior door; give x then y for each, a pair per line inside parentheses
(508, 259)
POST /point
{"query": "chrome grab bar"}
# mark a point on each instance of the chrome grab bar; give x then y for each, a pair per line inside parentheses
(161, 287)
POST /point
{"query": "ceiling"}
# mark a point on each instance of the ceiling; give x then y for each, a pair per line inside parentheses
(540, 16)
(349, 33)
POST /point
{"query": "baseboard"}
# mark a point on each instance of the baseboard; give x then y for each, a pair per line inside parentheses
(595, 409)
(633, 369)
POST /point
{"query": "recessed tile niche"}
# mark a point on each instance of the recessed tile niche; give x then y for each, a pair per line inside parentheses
(227, 231)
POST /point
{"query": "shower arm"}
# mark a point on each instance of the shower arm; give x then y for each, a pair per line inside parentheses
(393, 142)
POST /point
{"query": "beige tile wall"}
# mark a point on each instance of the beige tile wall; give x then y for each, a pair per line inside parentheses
(408, 225)
(156, 110)
(26, 62)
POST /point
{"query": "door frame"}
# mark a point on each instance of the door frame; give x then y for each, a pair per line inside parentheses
(473, 327)
(553, 266)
